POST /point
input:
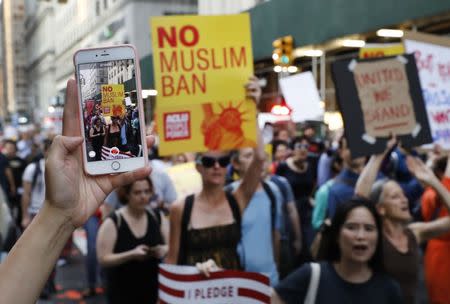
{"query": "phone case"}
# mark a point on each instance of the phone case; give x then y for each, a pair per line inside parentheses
(139, 97)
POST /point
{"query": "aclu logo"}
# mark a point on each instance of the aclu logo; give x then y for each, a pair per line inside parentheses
(177, 126)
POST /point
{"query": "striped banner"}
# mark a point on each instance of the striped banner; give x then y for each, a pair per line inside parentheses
(184, 284)
(114, 153)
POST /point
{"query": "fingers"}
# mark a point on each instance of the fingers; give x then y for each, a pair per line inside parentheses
(150, 140)
(207, 267)
(392, 142)
(71, 117)
(129, 177)
(66, 145)
(202, 267)
(144, 247)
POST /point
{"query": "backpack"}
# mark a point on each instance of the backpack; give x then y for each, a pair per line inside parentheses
(273, 202)
(272, 199)
(37, 172)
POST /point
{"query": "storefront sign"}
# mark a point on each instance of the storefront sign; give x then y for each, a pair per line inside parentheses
(376, 50)
(379, 98)
(433, 62)
(185, 285)
(201, 65)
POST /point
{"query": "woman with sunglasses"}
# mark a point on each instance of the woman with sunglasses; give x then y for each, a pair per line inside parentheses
(301, 174)
(205, 226)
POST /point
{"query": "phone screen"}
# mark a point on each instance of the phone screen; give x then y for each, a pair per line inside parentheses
(110, 110)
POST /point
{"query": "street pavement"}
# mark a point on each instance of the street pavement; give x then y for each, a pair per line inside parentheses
(71, 280)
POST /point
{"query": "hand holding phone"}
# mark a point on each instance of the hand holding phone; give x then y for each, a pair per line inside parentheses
(111, 109)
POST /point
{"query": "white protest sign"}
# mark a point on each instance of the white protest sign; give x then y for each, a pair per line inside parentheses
(432, 55)
(300, 92)
(185, 285)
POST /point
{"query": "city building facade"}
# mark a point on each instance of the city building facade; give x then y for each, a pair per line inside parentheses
(55, 31)
(16, 95)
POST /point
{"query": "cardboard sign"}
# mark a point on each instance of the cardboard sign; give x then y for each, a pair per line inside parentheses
(377, 50)
(185, 285)
(300, 92)
(432, 54)
(386, 104)
(113, 100)
(378, 98)
(200, 77)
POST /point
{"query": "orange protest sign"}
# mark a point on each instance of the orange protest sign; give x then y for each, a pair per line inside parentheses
(200, 76)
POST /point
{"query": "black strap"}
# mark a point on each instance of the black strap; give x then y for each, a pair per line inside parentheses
(36, 173)
(273, 201)
(234, 208)
(116, 218)
(156, 215)
(188, 203)
(277, 181)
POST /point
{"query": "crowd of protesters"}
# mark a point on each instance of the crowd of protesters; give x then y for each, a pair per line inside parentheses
(121, 132)
(371, 222)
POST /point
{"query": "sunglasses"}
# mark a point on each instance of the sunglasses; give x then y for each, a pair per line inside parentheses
(301, 146)
(209, 162)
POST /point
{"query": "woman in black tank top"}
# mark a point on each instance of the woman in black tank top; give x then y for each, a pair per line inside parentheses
(97, 135)
(130, 247)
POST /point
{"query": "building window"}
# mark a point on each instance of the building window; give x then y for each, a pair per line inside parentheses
(105, 4)
(97, 8)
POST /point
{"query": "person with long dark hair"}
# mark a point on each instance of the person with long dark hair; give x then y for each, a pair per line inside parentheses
(351, 270)
(97, 135)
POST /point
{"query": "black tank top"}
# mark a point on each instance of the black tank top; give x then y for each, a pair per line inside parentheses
(97, 140)
(217, 242)
(403, 267)
(134, 281)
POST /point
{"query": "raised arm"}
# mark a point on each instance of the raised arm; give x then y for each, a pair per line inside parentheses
(66, 208)
(252, 176)
(369, 174)
(426, 176)
(176, 211)
(428, 230)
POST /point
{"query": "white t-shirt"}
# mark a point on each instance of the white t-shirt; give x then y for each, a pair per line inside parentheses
(38, 191)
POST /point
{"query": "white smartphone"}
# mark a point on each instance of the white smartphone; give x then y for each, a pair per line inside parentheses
(111, 109)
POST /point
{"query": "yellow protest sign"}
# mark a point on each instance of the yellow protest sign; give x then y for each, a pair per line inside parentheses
(113, 99)
(381, 50)
(185, 179)
(201, 64)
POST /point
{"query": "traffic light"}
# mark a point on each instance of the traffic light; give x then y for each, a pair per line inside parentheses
(282, 52)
